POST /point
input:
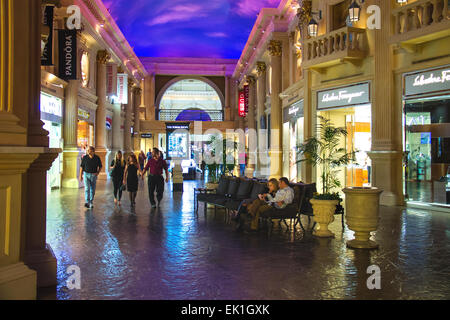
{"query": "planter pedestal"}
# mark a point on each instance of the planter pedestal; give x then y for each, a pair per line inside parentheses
(324, 215)
(362, 215)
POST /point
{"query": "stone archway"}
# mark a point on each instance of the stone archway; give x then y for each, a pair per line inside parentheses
(206, 81)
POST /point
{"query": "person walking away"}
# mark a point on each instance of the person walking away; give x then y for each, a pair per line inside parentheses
(118, 169)
(141, 160)
(131, 178)
(155, 166)
(90, 167)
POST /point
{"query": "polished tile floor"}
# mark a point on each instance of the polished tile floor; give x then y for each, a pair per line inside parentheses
(169, 253)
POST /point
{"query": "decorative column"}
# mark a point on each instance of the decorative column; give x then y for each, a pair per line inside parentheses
(70, 127)
(276, 153)
(116, 128)
(260, 106)
(100, 118)
(226, 107)
(252, 135)
(38, 255)
(128, 121)
(19, 97)
(386, 152)
(149, 97)
(137, 120)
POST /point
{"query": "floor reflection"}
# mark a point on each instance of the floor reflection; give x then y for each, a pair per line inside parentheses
(170, 253)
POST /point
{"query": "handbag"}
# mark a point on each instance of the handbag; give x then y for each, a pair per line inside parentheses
(123, 187)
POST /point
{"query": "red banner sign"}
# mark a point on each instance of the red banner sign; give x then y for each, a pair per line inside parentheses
(246, 95)
(241, 103)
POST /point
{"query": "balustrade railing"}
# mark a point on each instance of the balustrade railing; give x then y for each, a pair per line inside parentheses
(419, 15)
(341, 43)
(189, 115)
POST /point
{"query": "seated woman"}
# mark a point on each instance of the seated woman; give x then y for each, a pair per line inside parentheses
(284, 195)
(255, 208)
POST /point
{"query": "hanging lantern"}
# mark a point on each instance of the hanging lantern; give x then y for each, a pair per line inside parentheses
(354, 12)
(313, 28)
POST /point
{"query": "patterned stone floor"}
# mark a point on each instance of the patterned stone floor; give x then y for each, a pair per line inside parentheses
(169, 253)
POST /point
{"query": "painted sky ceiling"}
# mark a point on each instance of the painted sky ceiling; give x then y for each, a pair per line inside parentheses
(187, 28)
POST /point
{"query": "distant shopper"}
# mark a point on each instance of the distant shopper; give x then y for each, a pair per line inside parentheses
(131, 178)
(117, 171)
(141, 160)
(155, 166)
(91, 165)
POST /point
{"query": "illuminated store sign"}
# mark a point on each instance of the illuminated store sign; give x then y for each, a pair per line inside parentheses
(146, 135)
(241, 103)
(83, 114)
(122, 88)
(293, 112)
(431, 81)
(51, 105)
(347, 96)
(177, 135)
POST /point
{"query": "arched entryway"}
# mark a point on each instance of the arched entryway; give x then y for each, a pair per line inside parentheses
(190, 99)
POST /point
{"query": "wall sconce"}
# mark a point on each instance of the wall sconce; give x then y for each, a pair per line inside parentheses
(313, 26)
(402, 2)
(354, 11)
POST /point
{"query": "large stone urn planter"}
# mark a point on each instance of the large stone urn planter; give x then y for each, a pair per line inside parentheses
(362, 215)
(324, 215)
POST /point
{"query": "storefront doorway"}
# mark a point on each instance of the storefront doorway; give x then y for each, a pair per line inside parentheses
(345, 108)
(293, 121)
(51, 115)
(426, 122)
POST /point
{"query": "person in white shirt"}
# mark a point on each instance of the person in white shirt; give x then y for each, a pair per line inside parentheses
(284, 195)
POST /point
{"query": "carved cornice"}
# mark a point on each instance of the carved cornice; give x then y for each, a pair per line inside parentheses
(103, 56)
(275, 48)
(260, 68)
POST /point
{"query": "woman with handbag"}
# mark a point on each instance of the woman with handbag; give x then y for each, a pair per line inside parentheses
(117, 171)
(131, 178)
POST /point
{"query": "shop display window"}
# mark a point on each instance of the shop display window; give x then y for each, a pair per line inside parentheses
(357, 121)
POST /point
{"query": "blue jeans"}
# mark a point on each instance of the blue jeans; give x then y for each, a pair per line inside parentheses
(90, 181)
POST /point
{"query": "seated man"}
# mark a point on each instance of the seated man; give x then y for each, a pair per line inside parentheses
(283, 197)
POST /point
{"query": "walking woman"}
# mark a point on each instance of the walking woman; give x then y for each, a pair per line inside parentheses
(118, 168)
(131, 178)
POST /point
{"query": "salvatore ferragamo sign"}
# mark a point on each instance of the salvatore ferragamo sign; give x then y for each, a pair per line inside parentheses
(346, 96)
(430, 81)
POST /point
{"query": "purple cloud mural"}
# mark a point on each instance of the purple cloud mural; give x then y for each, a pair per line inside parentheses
(187, 28)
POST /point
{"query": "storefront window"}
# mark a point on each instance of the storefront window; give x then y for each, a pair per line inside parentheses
(357, 121)
(427, 146)
(426, 123)
(85, 134)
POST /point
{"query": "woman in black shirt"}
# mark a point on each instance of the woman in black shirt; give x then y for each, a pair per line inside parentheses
(131, 177)
(118, 168)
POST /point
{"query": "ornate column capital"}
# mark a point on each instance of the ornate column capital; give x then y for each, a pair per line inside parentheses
(137, 91)
(251, 80)
(260, 67)
(275, 48)
(103, 56)
(130, 87)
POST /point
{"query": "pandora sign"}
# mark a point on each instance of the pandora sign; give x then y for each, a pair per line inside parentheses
(431, 81)
(346, 96)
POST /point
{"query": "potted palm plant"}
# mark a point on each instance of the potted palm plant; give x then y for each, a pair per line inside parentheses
(325, 151)
(223, 150)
